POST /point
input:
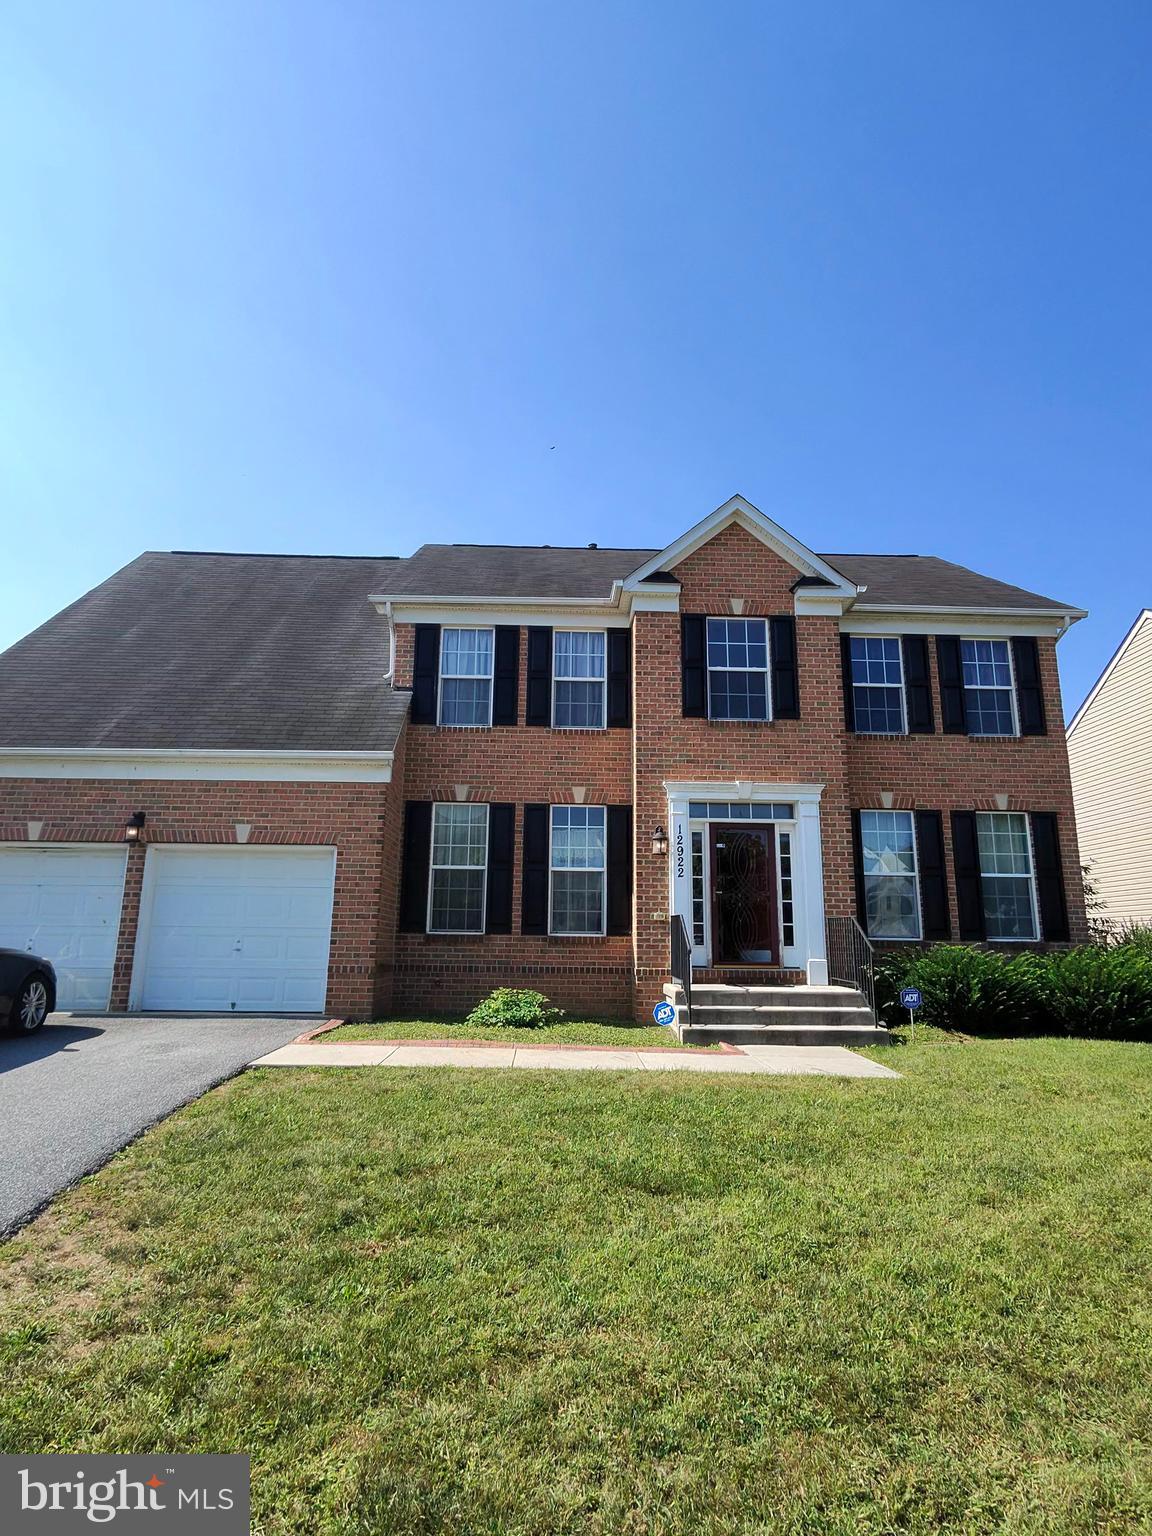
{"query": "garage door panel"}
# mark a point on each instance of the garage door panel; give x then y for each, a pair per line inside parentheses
(238, 930)
(64, 903)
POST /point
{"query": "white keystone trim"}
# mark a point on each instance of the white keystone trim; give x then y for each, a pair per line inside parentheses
(181, 763)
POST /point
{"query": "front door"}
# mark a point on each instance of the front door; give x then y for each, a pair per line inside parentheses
(744, 896)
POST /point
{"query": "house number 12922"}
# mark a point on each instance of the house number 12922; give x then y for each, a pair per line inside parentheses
(680, 852)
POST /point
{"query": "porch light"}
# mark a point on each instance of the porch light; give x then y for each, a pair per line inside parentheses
(134, 828)
(660, 842)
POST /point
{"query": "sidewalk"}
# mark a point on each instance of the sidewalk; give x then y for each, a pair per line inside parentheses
(762, 1060)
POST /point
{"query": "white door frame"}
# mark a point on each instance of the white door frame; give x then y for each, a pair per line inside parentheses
(807, 857)
(148, 893)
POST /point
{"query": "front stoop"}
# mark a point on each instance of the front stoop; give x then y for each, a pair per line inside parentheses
(744, 1015)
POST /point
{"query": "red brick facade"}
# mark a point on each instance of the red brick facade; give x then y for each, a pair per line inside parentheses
(375, 968)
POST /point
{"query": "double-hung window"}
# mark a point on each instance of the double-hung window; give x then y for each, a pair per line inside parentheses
(578, 869)
(877, 684)
(466, 677)
(989, 693)
(738, 669)
(1007, 875)
(459, 866)
(578, 679)
(891, 876)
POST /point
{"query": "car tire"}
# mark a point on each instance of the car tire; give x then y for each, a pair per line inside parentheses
(31, 1005)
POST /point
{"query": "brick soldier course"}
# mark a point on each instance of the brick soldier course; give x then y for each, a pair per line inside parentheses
(287, 697)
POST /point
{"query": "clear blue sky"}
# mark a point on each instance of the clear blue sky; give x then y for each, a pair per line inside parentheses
(337, 277)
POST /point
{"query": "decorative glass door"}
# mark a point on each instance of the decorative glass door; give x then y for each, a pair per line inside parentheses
(744, 923)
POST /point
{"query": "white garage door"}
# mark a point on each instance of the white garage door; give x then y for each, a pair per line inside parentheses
(242, 930)
(64, 904)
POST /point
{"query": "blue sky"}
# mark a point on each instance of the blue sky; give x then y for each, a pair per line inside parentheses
(346, 277)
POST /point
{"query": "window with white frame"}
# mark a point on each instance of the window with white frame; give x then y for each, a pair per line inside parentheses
(578, 678)
(877, 684)
(989, 693)
(738, 669)
(1007, 875)
(578, 869)
(466, 676)
(891, 877)
(459, 869)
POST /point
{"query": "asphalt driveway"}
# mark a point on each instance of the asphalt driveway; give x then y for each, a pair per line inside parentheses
(82, 1088)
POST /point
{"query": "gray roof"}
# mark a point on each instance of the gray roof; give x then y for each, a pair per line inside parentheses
(245, 652)
(510, 570)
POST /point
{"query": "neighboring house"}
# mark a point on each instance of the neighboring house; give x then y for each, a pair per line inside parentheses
(260, 782)
(1110, 752)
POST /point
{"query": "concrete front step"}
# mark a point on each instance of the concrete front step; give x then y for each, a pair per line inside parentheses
(718, 996)
(784, 1034)
(749, 1015)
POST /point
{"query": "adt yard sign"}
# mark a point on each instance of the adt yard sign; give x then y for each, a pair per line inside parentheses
(911, 998)
(664, 1013)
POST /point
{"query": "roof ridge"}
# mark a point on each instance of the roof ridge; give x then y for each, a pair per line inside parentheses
(262, 554)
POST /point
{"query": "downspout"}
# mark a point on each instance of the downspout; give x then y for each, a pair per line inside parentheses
(391, 672)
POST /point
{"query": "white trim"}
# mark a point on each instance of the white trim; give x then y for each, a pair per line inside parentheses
(986, 625)
(1143, 617)
(739, 789)
(990, 610)
(152, 857)
(726, 618)
(1037, 935)
(568, 629)
(483, 612)
(589, 933)
(1010, 690)
(454, 805)
(738, 510)
(887, 938)
(195, 763)
(853, 685)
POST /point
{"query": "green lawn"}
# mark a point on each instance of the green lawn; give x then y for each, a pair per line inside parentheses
(495, 1304)
(568, 1032)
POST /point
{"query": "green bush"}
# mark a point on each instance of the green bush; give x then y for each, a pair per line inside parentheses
(1136, 937)
(517, 1008)
(1100, 993)
(977, 991)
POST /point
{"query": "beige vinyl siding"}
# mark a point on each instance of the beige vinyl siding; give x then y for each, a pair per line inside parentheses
(1110, 754)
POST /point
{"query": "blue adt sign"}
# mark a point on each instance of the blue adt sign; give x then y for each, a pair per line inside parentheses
(911, 998)
(664, 1013)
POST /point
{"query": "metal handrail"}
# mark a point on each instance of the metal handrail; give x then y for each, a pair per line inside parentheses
(681, 954)
(851, 957)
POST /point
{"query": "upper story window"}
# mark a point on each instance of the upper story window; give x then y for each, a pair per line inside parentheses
(891, 876)
(458, 869)
(738, 669)
(578, 864)
(989, 692)
(877, 684)
(466, 677)
(578, 678)
(1007, 878)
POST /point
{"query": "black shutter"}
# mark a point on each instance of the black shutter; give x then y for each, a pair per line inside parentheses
(619, 869)
(951, 670)
(619, 677)
(933, 875)
(1029, 688)
(966, 864)
(785, 673)
(917, 685)
(501, 838)
(1049, 877)
(693, 665)
(538, 710)
(846, 677)
(858, 871)
(534, 873)
(425, 673)
(506, 678)
(414, 866)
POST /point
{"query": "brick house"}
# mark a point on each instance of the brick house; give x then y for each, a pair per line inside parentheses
(247, 782)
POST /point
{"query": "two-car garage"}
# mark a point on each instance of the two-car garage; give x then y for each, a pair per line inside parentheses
(221, 928)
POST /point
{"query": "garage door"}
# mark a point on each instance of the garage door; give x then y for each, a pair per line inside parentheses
(242, 930)
(64, 903)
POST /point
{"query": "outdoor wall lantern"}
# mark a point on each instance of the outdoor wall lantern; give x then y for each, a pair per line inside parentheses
(134, 828)
(660, 842)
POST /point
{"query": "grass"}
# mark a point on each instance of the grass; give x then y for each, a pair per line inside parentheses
(616, 1032)
(519, 1304)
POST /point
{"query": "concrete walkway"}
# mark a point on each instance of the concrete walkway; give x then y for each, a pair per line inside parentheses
(786, 1060)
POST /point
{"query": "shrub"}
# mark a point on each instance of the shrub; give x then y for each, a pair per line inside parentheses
(1101, 993)
(974, 990)
(517, 1008)
(1136, 937)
